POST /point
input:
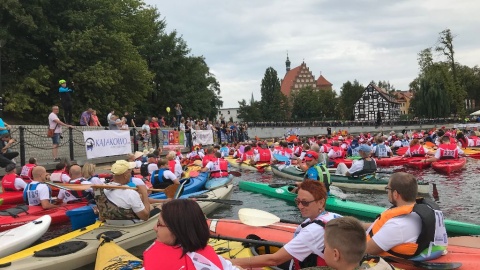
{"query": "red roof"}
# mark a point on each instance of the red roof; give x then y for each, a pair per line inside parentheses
(321, 81)
(288, 80)
(384, 94)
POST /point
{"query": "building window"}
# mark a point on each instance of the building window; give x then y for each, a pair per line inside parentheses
(228, 112)
(366, 97)
(375, 96)
(361, 115)
(380, 105)
(361, 106)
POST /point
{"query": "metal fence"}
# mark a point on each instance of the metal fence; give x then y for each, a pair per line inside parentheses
(32, 141)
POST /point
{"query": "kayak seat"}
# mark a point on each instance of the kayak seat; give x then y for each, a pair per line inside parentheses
(14, 211)
(61, 249)
(110, 234)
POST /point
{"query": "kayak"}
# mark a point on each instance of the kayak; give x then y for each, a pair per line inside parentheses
(245, 166)
(50, 243)
(193, 184)
(448, 166)
(112, 256)
(214, 183)
(12, 198)
(233, 250)
(23, 214)
(381, 162)
(279, 232)
(84, 247)
(343, 206)
(417, 163)
(366, 182)
(16, 239)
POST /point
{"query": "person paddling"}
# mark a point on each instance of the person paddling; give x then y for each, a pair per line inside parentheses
(363, 166)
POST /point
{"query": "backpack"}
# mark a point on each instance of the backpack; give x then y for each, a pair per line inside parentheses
(144, 169)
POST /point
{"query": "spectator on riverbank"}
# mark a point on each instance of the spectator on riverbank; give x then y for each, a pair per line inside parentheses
(85, 117)
(66, 99)
(178, 112)
(154, 129)
(7, 155)
(94, 122)
(55, 123)
(4, 127)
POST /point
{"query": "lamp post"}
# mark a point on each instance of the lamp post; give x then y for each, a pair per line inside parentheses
(1, 91)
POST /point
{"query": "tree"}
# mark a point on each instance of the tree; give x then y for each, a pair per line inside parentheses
(350, 93)
(250, 112)
(271, 96)
(306, 104)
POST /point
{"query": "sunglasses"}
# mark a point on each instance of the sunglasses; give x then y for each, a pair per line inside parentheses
(304, 203)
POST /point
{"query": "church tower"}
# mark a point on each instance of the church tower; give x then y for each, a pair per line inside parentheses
(287, 63)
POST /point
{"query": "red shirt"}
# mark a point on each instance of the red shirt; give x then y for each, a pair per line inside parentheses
(153, 126)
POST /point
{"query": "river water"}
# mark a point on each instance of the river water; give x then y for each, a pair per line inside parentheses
(457, 197)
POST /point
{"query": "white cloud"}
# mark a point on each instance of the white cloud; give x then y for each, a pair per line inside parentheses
(345, 40)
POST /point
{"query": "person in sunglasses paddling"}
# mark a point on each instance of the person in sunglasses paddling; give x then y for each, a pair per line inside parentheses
(306, 249)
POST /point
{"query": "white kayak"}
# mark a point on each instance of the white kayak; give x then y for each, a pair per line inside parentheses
(82, 250)
(16, 239)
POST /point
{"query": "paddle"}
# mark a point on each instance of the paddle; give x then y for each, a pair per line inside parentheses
(259, 218)
(425, 265)
(281, 158)
(248, 241)
(229, 202)
(80, 187)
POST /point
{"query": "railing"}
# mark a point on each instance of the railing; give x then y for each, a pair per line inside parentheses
(352, 123)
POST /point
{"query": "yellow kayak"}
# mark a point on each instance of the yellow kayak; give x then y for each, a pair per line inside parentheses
(112, 256)
(55, 241)
(245, 166)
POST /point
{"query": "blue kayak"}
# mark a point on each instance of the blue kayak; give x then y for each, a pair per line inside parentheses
(214, 183)
(194, 184)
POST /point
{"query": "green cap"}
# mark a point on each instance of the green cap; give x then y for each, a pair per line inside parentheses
(62, 81)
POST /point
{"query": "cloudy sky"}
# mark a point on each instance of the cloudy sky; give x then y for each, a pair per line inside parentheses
(343, 40)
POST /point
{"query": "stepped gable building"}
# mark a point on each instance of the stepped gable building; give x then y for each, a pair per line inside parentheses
(300, 77)
(376, 102)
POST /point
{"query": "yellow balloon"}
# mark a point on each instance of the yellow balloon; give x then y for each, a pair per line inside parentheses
(168, 109)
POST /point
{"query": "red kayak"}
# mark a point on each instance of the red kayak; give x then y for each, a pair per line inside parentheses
(12, 197)
(381, 162)
(23, 214)
(447, 166)
(417, 163)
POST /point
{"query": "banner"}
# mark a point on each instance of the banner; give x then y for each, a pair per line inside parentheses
(104, 143)
(165, 137)
(202, 137)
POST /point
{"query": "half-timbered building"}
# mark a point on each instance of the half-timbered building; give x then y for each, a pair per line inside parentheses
(376, 102)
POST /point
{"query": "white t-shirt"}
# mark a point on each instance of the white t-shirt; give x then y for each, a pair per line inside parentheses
(52, 123)
(169, 175)
(137, 181)
(96, 181)
(19, 183)
(308, 240)
(138, 164)
(397, 143)
(108, 117)
(125, 198)
(398, 230)
(151, 168)
(39, 194)
(357, 166)
(146, 127)
(178, 169)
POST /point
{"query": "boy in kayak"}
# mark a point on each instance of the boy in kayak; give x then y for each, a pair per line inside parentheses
(412, 229)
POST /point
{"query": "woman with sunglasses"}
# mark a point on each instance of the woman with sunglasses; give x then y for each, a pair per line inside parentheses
(182, 240)
(306, 248)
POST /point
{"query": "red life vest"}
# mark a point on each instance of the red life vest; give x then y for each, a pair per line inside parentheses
(476, 140)
(338, 152)
(206, 159)
(326, 147)
(265, 156)
(417, 151)
(57, 176)
(171, 165)
(8, 182)
(26, 173)
(79, 194)
(220, 168)
(160, 256)
(464, 142)
(194, 156)
(452, 140)
(448, 151)
(248, 155)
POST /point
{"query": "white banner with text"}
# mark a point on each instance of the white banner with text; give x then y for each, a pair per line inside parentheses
(203, 137)
(103, 143)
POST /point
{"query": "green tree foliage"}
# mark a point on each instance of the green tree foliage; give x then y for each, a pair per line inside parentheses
(271, 102)
(250, 112)
(313, 104)
(350, 93)
(117, 52)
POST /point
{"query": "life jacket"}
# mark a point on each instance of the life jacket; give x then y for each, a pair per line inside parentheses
(30, 195)
(354, 151)
(312, 259)
(8, 182)
(432, 240)
(108, 210)
(194, 156)
(220, 168)
(381, 151)
(130, 183)
(476, 140)
(144, 169)
(171, 165)
(448, 151)
(337, 152)
(417, 151)
(323, 175)
(248, 155)
(205, 160)
(405, 143)
(57, 175)
(158, 180)
(452, 140)
(265, 156)
(208, 259)
(82, 195)
(369, 166)
(286, 152)
(26, 173)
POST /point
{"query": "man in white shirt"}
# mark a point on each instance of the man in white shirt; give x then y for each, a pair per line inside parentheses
(55, 123)
(37, 192)
(76, 178)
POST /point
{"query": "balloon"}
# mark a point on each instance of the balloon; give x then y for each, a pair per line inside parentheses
(168, 109)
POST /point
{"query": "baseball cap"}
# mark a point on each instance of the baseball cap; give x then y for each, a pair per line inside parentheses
(61, 81)
(10, 167)
(310, 155)
(365, 148)
(121, 166)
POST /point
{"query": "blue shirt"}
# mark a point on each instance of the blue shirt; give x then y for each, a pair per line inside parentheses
(312, 173)
(64, 89)
(2, 124)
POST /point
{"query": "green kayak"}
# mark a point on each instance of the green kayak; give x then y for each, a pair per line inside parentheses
(366, 182)
(346, 207)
